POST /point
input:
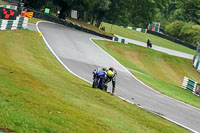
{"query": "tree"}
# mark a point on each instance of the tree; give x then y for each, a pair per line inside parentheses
(99, 11)
(84, 7)
(65, 6)
(191, 9)
(144, 11)
(36, 4)
(119, 12)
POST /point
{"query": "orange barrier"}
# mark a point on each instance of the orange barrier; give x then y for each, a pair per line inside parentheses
(27, 14)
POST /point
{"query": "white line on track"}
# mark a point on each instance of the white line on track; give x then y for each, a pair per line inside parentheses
(52, 51)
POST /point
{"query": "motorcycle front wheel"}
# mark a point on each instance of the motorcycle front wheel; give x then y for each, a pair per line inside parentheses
(95, 83)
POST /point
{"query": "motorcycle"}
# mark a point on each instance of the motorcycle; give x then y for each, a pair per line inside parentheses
(99, 80)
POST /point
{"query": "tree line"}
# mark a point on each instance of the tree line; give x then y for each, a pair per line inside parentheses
(181, 19)
(124, 12)
(120, 12)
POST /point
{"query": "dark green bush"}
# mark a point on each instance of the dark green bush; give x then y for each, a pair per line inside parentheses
(188, 32)
(173, 29)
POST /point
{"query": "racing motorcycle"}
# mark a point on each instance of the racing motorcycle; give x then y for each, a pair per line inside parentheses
(99, 77)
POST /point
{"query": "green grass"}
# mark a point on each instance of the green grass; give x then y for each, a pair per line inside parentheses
(165, 72)
(38, 95)
(139, 36)
(89, 26)
(34, 20)
(3, 3)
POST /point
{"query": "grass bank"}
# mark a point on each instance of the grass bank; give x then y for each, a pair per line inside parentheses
(165, 72)
(34, 20)
(3, 3)
(89, 26)
(139, 36)
(38, 95)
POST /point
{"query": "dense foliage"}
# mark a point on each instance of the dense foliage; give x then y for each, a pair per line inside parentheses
(181, 20)
(187, 31)
(120, 12)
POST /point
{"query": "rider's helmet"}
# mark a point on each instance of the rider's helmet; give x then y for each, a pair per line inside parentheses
(111, 68)
(110, 73)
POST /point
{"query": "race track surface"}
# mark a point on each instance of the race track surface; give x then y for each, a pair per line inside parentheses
(81, 56)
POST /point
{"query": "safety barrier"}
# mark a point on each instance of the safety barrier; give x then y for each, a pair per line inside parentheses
(120, 40)
(138, 29)
(191, 86)
(172, 39)
(196, 63)
(19, 23)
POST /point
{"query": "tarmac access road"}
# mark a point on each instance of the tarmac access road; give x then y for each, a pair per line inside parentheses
(81, 56)
(32, 27)
(161, 49)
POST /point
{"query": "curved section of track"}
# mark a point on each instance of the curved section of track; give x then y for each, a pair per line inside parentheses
(81, 56)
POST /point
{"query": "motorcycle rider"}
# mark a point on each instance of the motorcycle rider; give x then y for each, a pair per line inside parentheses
(105, 75)
(149, 45)
(111, 76)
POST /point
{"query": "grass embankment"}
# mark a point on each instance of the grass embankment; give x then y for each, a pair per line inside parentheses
(139, 36)
(34, 20)
(38, 95)
(89, 26)
(165, 72)
(3, 3)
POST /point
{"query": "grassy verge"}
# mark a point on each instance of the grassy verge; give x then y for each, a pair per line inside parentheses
(34, 20)
(165, 72)
(139, 36)
(89, 26)
(38, 95)
(3, 3)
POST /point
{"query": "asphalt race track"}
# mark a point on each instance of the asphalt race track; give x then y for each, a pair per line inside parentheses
(81, 56)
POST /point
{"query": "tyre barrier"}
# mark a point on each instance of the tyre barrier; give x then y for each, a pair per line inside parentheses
(138, 29)
(19, 23)
(120, 40)
(196, 63)
(191, 85)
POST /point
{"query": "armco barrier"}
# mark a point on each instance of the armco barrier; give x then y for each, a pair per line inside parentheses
(19, 23)
(172, 39)
(196, 63)
(191, 86)
(138, 29)
(120, 40)
(54, 19)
